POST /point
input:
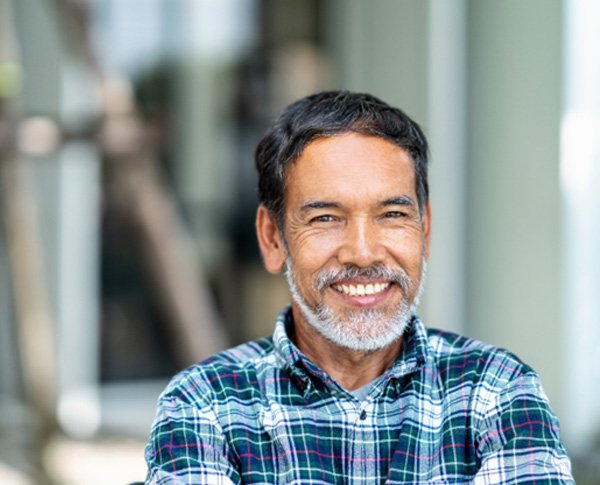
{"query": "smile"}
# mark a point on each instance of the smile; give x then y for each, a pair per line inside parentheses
(360, 289)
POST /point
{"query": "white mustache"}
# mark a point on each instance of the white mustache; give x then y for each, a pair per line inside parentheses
(374, 272)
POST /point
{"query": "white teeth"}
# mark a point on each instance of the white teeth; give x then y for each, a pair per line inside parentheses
(362, 290)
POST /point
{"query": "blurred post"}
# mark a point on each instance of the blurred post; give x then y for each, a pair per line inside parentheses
(34, 320)
(34, 326)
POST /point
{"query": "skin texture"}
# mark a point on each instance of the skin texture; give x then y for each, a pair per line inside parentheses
(350, 200)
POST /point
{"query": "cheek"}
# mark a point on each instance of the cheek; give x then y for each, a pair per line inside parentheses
(409, 255)
(313, 251)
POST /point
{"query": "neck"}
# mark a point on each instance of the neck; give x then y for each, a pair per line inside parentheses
(350, 368)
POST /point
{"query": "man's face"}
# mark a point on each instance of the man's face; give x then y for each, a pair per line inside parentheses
(355, 241)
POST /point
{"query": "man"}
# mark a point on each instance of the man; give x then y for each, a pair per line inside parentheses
(352, 388)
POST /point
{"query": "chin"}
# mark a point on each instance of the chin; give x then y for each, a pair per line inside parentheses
(359, 330)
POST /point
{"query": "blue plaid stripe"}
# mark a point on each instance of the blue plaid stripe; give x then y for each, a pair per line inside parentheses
(450, 410)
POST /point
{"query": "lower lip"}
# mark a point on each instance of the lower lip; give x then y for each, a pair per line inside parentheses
(366, 300)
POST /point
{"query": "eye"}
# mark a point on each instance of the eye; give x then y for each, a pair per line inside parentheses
(323, 218)
(394, 214)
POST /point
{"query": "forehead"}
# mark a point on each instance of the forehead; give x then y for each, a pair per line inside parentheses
(351, 164)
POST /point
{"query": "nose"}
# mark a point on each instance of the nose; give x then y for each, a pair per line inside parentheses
(362, 245)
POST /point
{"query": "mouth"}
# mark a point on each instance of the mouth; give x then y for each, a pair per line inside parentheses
(361, 289)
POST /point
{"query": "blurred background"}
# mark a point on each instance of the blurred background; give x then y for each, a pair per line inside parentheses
(127, 196)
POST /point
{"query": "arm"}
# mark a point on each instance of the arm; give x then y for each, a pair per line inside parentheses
(187, 445)
(519, 439)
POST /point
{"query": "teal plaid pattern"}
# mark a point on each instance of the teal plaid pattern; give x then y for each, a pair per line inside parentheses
(450, 410)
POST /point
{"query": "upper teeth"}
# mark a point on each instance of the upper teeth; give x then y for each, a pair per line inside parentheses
(362, 290)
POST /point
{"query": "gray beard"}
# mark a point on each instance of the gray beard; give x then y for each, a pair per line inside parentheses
(362, 330)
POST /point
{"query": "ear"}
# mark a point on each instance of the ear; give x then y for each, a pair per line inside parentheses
(270, 240)
(427, 228)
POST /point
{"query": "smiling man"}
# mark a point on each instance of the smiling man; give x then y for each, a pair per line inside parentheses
(352, 387)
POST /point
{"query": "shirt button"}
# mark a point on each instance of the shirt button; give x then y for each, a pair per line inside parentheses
(363, 415)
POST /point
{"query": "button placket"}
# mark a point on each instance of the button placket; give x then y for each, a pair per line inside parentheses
(364, 441)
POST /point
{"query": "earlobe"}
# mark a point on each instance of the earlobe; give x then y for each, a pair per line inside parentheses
(269, 240)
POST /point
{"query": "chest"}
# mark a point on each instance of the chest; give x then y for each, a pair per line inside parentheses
(409, 438)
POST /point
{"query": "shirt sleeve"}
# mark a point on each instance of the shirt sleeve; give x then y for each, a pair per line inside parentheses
(187, 445)
(519, 439)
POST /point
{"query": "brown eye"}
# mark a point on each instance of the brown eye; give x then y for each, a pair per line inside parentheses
(323, 218)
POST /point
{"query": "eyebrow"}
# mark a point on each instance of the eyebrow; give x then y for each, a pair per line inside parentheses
(398, 200)
(401, 200)
(318, 204)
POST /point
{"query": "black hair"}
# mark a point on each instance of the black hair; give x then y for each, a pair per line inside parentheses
(331, 113)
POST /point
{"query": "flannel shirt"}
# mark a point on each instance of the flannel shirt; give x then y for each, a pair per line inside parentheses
(449, 410)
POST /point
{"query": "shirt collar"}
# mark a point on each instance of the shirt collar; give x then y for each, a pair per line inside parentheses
(285, 349)
(415, 350)
(412, 357)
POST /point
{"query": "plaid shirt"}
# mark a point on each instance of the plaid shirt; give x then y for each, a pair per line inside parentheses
(450, 410)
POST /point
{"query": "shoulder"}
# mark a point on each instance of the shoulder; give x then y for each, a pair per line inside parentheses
(235, 369)
(492, 383)
(462, 359)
